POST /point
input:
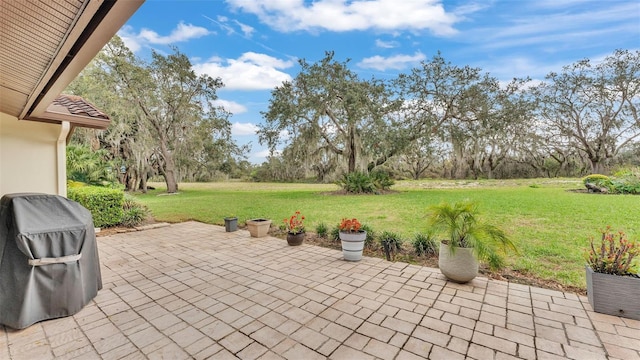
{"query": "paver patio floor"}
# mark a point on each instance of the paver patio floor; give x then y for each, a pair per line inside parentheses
(191, 290)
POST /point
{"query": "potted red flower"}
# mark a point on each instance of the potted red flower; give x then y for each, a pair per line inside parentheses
(352, 238)
(613, 282)
(295, 229)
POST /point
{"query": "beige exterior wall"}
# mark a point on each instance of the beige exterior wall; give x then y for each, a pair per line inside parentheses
(29, 156)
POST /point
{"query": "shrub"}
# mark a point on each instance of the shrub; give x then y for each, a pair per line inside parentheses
(425, 244)
(335, 233)
(626, 181)
(381, 179)
(362, 183)
(322, 230)
(357, 183)
(628, 184)
(370, 235)
(595, 179)
(391, 243)
(601, 181)
(104, 204)
(134, 213)
(88, 166)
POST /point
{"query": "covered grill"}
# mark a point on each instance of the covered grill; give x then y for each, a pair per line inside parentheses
(49, 264)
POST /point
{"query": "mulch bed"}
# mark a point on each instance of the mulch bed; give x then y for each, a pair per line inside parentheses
(408, 256)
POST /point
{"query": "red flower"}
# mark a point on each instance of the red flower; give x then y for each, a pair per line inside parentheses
(295, 224)
(350, 225)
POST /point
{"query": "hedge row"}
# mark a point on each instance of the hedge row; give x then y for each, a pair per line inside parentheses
(105, 204)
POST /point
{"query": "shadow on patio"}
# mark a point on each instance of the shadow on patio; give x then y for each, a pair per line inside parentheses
(192, 290)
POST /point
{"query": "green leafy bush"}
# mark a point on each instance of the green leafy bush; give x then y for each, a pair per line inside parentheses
(357, 183)
(625, 181)
(599, 180)
(424, 244)
(90, 167)
(626, 185)
(381, 179)
(371, 235)
(134, 213)
(105, 204)
(595, 179)
(362, 183)
(335, 233)
(391, 243)
(322, 230)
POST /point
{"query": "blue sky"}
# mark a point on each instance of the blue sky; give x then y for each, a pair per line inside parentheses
(254, 45)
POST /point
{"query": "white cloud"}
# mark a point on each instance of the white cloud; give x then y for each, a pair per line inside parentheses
(231, 106)
(565, 27)
(386, 44)
(251, 71)
(246, 29)
(343, 15)
(396, 62)
(183, 32)
(284, 135)
(129, 38)
(242, 129)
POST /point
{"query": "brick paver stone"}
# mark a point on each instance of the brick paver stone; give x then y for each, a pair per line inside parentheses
(192, 291)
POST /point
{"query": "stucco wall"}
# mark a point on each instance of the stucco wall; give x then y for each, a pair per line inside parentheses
(28, 160)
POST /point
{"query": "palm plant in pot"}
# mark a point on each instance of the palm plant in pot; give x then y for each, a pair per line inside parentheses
(468, 241)
(295, 229)
(612, 272)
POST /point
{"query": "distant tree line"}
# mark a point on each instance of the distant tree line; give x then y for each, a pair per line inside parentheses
(437, 120)
(442, 120)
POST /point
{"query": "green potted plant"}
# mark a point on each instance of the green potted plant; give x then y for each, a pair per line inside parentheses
(294, 226)
(352, 238)
(613, 283)
(258, 227)
(468, 241)
(231, 223)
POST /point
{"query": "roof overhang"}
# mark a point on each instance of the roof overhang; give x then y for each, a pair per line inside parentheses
(45, 45)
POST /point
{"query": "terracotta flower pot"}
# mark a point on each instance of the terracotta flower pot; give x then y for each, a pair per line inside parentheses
(258, 227)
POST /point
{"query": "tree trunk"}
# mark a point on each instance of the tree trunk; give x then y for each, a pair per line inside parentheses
(352, 150)
(143, 183)
(169, 171)
(596, 166)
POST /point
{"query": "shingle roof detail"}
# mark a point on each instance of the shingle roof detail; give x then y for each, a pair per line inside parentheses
(79, 106)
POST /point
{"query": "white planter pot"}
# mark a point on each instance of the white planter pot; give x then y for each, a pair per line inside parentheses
(258, 227)
(613, 294)
(352, 245)
(461, 266)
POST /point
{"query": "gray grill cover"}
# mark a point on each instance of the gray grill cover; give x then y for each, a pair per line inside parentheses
(49, 264)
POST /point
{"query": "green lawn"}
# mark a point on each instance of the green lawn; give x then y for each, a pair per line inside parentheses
(548, 222)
